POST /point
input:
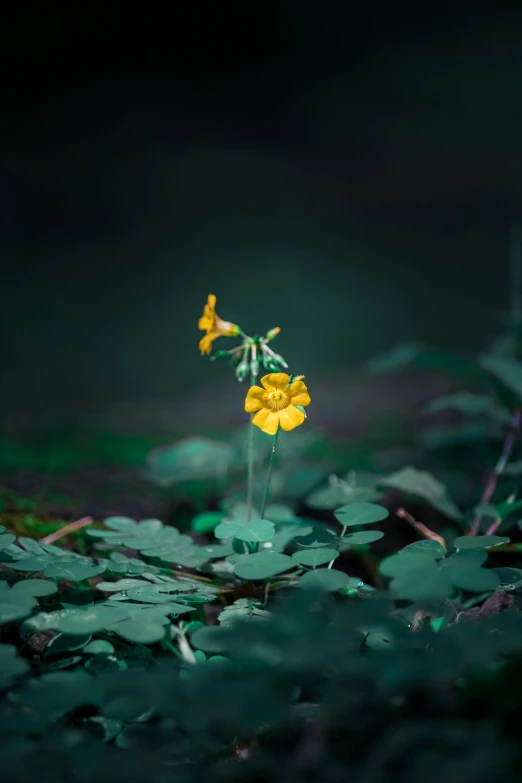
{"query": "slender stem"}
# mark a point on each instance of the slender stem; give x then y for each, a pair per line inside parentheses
(420, 527)
(70, 528)
(492, 528)
(337, 545)
(269, 475)
(250, 457)
(491, 486)
(496, 524)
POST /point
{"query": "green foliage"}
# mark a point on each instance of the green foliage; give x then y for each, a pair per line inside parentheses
(324, 579)
(248, 656)
(339, 492)
(421, 483)
(153, 539)
(18, 601)
(315, 557)
(506, 370)
(242, 610)
(471, 405)
(30, 555)
(262, 565)
(255, 531)
(355, 514)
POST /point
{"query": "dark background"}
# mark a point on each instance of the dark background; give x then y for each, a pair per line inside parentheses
(347, 172)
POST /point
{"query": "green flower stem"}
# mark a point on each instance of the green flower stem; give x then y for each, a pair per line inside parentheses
(250, 457)
(269, 476)
(338, 544)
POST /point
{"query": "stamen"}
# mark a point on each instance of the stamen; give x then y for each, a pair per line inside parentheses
(277, 400)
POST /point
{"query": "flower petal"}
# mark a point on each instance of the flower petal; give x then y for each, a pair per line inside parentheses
(266, 420)
(211, 301)
(205, 344)
(226, 328)
(298, 393)
(205, 323)
(291, 417)
(254, 399)
(275, 380)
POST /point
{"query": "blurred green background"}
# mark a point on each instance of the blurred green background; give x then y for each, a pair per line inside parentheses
(349, 178)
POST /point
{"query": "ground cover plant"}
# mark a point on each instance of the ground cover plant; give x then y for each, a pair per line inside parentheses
(310, 624)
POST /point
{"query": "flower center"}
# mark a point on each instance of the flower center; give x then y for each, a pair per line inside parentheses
(277, 400)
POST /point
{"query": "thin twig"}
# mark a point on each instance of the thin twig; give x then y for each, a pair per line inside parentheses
(72, 527)
(420, 527)
(496, 524)
(417, 619)
(509, 442)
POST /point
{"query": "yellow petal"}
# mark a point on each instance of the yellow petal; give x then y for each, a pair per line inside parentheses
(291, 417)
(205, 323)
(211, 301)
(205, 344)
(266, 420)
(298, 393)
(254, 399)
(275, 380)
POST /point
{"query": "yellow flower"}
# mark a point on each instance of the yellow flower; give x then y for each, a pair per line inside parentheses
(276, 403)
(214, 326)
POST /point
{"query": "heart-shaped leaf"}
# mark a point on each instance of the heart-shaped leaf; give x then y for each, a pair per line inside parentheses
(404, 562)
(479, 542)
(255, 531)
(361, 514)
(428, 583)
(92, 620)
(140, 632)
(33, 588)
(6, 539)
(74, 571)
(315, 557)
(428, 548)
(262, 565)
(362, 537)
(324, 580)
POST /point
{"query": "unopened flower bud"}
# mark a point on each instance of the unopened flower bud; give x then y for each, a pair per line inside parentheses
(279, 360)
(221, 355)
(254, 368)
(242, 369)
(272, 333)
(254, 363)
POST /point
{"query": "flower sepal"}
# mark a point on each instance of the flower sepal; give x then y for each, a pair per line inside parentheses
(221, 355)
